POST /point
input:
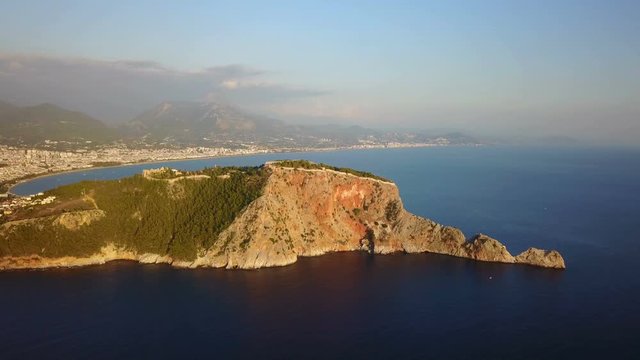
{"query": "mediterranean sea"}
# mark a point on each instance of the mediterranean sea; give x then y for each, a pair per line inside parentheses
(584, 202)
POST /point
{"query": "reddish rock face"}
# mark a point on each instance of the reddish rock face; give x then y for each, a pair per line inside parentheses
(351, 196)
(312, 212)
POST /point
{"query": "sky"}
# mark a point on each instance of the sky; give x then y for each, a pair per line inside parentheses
(496, 68)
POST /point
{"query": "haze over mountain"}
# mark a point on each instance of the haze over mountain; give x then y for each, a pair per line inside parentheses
(214, 123)
(36, 124)
(503, 69)
(193, 122)
(183, 123)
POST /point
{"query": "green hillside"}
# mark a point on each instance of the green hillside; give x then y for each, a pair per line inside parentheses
(174, 216)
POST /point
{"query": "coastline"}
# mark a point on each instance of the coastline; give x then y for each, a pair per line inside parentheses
(13, 183)
(110, 253)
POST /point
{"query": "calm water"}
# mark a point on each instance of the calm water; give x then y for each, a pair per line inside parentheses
(583, 202)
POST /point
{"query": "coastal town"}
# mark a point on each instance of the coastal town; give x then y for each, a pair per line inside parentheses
(18, 164)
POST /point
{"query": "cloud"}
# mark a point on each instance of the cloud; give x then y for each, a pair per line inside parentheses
(260, 95)
(321, 110)
(121, 89)
(230, 84)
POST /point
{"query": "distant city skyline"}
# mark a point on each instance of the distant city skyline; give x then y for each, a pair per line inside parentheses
(493, 68)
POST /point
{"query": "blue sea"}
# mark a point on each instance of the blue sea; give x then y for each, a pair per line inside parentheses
(583, 202)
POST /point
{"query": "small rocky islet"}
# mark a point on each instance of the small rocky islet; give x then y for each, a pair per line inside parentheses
(234, 218)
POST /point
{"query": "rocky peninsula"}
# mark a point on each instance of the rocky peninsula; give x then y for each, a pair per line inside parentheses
(235, 218)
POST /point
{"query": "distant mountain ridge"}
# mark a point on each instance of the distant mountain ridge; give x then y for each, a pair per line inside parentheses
(35, 124)
(193, 123)
(183, 123)
(216, 124)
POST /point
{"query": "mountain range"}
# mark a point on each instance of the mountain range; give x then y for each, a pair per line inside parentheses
(181, 123)
(202, 123)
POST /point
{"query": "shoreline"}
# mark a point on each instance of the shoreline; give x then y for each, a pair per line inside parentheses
(26, 263)
(13, 183)
(74, 170)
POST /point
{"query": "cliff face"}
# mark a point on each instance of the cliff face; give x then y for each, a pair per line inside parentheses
(313, 212)
(309, 212)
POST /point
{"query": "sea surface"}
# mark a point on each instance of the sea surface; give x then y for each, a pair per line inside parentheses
(583, 202)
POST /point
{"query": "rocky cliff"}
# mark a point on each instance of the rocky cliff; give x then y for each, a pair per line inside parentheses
(309, 212)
